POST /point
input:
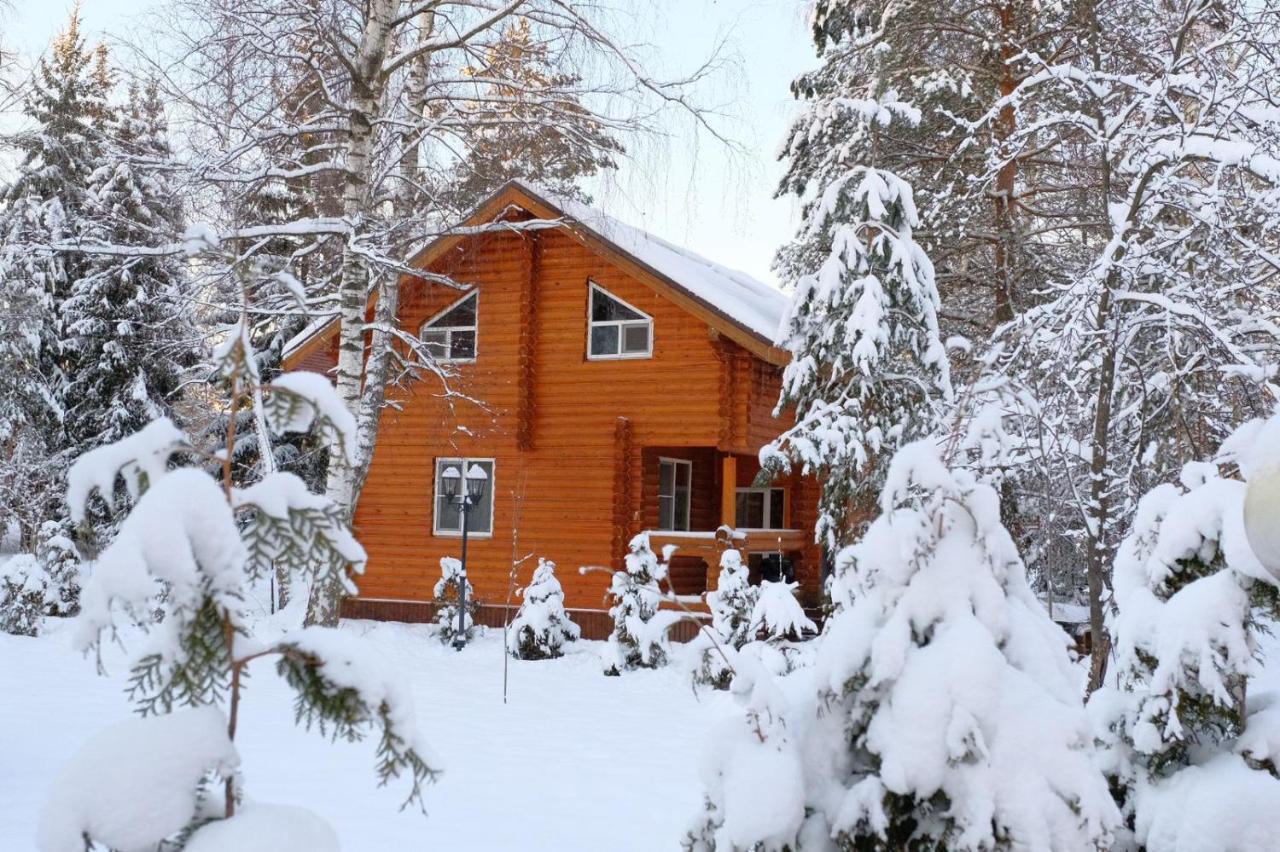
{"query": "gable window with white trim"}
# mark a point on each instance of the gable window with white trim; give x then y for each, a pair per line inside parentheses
(675, 481)
(760, 509)
(450, 336)
(616, 329)
(447, 517)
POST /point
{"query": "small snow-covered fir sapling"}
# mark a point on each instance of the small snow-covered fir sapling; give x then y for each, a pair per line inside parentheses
(446, 594)
(180, 566)
(44, 583)
(947, 713)
(731, 604)
(542, 627)
(639, 637)
(1185, 721)
(777, 616)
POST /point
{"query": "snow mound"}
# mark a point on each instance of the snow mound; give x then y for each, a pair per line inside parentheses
(262, 827)
(135, 783)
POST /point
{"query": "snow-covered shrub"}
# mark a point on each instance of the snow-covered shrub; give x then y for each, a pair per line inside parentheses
(946, 713)
(180, 567)
(1191, 604)
(542, 628)
(446, 594)
(777, 616)
(47, 582)
(731, 604)
(639, 637)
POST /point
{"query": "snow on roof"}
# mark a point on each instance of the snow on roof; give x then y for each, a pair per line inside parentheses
(753, 304)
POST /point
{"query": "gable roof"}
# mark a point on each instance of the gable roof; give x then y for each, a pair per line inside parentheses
(746, 310)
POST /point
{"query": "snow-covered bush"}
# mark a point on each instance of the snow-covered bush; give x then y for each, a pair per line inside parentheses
(542, 628)
(180, 567)
(47, 582)
(945, 712)
(446, 594)
(731, 604)
(777, 616)
(1181, 724)
(639, 637)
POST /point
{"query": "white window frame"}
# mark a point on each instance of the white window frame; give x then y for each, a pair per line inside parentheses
(463, 463)
(593, 288)
(768, 493)
(450, 329)
(688, 497)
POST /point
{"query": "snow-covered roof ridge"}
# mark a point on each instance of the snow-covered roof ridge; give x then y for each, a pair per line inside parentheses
(753, 306)
(751, 303)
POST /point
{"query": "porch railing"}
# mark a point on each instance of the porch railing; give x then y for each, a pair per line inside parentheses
(711, 543)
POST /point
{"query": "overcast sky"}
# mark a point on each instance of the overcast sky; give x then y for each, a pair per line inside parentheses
(693, 192)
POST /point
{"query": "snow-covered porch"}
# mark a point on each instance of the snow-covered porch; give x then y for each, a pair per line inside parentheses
(703, 501)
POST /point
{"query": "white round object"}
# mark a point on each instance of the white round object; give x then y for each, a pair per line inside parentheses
(1262, 517)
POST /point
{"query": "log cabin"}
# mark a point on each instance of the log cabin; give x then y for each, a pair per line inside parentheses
(607, 382)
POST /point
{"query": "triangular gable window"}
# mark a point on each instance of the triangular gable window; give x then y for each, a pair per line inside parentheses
(451, 334)
(616, 329)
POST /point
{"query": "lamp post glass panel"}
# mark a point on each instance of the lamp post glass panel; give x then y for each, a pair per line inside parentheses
(476, 480)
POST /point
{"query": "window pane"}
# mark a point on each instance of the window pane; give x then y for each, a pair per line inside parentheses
(683, 473)
(740, 510)
(666, 484)
(604, 308)
(481, 517)
(604, 340)
(665, 513)
(776, 502)
(462, 316)
(751, 509)
(681, 519)
(635, 338)
(447, 517)
(437, 343)
(462, 344)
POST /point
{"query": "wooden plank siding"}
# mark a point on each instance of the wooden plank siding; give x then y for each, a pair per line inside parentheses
(575, 442)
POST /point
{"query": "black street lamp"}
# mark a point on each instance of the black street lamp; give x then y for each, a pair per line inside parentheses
(476, 479)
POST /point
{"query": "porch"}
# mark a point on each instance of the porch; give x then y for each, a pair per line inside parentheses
(703, 501)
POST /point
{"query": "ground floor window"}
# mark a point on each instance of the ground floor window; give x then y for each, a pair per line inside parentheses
(760, 509)
(675, 479)
(447, 518)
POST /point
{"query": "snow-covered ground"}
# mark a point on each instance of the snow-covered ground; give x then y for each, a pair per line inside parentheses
(573, 761)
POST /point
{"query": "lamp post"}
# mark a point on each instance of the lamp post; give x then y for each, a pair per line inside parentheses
(476, 479)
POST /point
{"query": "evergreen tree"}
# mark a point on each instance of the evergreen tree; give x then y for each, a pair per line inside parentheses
(127, 332)
(947, 713)
(185, 557)
(868, 372)
(45, 210)
(447, 596)
(731, 604)
(528, 123)
(639, 637)
(542, 627)
(1192, 605)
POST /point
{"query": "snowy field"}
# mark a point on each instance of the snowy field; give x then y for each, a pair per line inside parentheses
(574, 761)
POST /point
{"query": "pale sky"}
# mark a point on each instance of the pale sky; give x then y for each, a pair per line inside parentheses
(693, 193)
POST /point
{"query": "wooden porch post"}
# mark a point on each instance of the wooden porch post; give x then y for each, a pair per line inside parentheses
(728, 489)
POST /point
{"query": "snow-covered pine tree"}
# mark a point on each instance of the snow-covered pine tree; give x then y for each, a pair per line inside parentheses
(868, 371)
(43, 211)
(128, 333)
(181, 563)
(542, 627)
(1191, 606)
(731, 604)
(528, 123)
(639, 637)
(446, 593)
(948, 712)
(777, 616)
(43, 583)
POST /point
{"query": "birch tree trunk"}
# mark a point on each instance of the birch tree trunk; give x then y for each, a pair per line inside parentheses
(367, 84)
